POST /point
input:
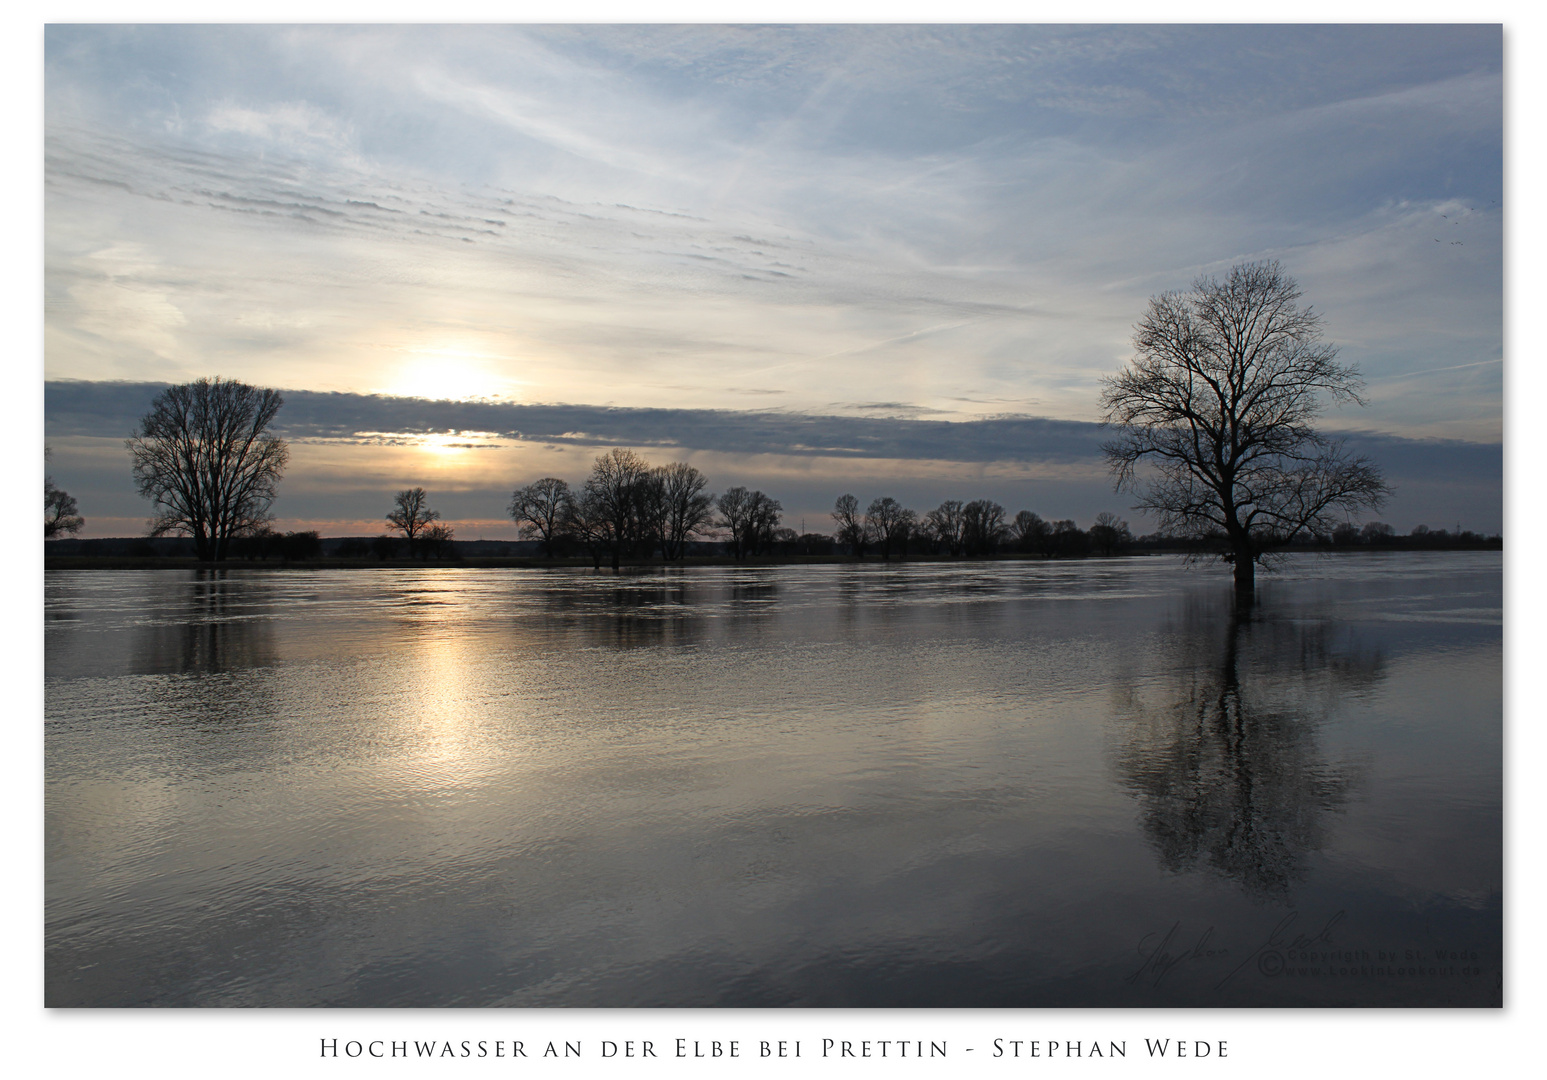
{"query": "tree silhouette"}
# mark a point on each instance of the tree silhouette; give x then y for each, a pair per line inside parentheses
(687, 508)
(412, 516)
(763, 515)
(750, 517)
(1109, 533)
(541, 510)
(887, 524)
(613, 494)
(944, 523)
(851, 527)
(436, 540)
(1031, 533)
(1214, 415)
(983, 527)
(204, 458)
(60, 514)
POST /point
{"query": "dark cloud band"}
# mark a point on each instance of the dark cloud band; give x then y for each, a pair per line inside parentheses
(110, 408)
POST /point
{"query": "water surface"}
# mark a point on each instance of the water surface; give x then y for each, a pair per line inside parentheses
(1023, 784)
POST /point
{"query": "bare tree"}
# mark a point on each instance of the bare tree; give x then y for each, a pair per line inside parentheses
(1109, 533)
(541, 510)
(851, 527)
(1377, 532)
(1068, 540)
(436, 540)
(983, 527)
(412, 516)
(750, 517)
(587, 521)
(649, 524)
(944, 522)
(762, 522)
(1214, 411)
(888, 523)
(907, 530)
(1031, 532)
(735, 516)
(60, 514)
(689, 509)
(204, 458)
(613, 497)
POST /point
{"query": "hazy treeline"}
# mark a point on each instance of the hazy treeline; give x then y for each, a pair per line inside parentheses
(1378, 534)
(629, 508)
(1374, 535)
(972, 529)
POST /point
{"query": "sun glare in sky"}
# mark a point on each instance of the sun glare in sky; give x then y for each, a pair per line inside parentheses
(456, 443)
(453, 372)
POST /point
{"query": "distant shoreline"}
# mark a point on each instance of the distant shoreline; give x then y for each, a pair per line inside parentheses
(516, 562)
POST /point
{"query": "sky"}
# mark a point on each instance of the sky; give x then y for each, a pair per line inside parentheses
(887, 260)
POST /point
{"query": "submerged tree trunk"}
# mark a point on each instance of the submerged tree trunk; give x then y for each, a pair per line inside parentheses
(1245, 571)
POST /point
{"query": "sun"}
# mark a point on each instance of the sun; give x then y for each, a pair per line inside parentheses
(457, 442)
(451, 373)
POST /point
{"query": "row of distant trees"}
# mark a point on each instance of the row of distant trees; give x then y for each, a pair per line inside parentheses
(629, 508)
(1379, 534)
(976, 528)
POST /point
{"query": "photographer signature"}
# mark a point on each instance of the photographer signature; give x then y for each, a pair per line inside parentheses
(1270, 954)
(1163, 954)
(1160, 961)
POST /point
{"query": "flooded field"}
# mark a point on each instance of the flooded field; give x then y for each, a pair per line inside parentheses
(1024, 784)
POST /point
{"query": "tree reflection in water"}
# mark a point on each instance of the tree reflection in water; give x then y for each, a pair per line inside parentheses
(210, 623)
(1227, 764)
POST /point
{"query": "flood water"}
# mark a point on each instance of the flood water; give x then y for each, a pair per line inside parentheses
(980, 784)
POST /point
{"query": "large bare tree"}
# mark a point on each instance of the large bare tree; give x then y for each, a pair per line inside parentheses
(613, 496)
(1214, 417)
(1031, 532)
(205, 459)
(750, 517)
(944, 523)
(688, 508)
(735, 517)
(542, 509)
(983, 527)
(888, 524)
